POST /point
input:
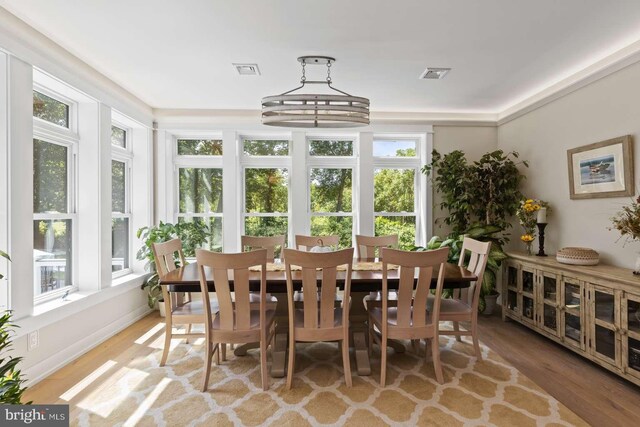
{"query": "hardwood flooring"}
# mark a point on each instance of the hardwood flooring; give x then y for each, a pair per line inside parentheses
(598, 396)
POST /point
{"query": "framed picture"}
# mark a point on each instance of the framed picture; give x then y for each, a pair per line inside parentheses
(603, 169)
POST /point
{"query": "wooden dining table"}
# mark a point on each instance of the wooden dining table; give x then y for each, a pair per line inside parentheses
(363, 282)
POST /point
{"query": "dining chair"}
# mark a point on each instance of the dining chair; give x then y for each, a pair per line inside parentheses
(259, 242)
(319, 319)
(176, 312)
(411, 319)
(308, 242)
(366, 246)
(463, 307)
(237, 321)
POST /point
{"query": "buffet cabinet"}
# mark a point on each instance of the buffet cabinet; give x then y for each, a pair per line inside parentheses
(592, 310)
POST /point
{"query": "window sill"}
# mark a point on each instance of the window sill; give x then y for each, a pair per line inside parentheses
(55, 310)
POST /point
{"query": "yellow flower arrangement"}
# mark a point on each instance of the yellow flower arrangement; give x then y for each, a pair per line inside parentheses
(527, 238)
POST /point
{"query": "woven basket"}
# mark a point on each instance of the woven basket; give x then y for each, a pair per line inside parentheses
(578, 256)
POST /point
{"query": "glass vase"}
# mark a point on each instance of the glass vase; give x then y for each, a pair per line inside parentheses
(529, 248)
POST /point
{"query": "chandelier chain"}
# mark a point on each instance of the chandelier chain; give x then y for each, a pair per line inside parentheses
(304, 77)
(329, 72)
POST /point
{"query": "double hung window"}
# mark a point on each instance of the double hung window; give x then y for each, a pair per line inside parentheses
(120, 200)
(55, 146)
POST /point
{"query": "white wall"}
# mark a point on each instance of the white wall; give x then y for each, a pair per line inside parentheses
(607, 108)
(474, 141)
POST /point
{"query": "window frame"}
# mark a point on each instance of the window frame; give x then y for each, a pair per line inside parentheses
(265, 162)
(406, 163)
(124, 155)
(66, 137)
(333, 162)
(203, 161)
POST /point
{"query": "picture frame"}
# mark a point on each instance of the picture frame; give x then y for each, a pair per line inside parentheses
(602, 169)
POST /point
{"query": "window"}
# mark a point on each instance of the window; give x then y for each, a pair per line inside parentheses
(266, 147)
(331, 188)
(120, 221)
(53, 217)
(118, 137)
(200, 202)
(266, 201)
(50, 109)
(199, 147)
(396, 184)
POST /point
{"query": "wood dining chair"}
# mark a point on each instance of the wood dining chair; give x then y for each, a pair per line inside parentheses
(366, 246)
(411, 319)
(319, 319)
(463, 307)
(237, 321)
(259, 242)
(305, 243)
(177, 312)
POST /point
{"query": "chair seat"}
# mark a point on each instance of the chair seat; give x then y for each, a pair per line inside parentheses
(392, 316)
(193, 308)
(254, 319)
(298, 318)
(450, 306)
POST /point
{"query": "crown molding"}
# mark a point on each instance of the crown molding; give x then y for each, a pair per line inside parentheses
(590, 74)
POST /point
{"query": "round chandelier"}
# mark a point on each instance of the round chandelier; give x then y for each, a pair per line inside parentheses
(307, 110)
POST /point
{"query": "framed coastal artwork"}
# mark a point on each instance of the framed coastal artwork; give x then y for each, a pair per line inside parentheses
(603, 169)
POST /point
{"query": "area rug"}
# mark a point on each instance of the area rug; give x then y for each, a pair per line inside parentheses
(479, 393)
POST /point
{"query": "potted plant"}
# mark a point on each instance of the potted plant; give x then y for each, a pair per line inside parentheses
(627, 223)
(480, 198)
(11, 381)
(193, 234)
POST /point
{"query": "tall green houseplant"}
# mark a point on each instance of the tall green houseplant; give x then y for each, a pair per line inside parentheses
(11, 381)
(479, 197)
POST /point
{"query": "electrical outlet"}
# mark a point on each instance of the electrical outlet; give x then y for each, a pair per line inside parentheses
(34, 340)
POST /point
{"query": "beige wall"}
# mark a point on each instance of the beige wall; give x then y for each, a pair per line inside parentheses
(474, 141)
(607, 108)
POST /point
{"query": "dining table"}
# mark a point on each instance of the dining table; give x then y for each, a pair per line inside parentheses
(366, 278)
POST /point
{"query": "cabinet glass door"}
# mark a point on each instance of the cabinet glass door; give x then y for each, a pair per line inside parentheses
(550, 295)
(631, 334)
(604, 339)
(512, 288)
(529, 310)
(571, 309)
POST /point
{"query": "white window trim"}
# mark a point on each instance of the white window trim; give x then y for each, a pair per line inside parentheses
(58, 135)
(127, 159)
(73, 111)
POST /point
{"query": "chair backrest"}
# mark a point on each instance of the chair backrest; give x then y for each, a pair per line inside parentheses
(366, 246)
(257, 242)
(164, 254)
(476, 263)
(319, 306)
(234, 315)
(307, 242)
(412, 306)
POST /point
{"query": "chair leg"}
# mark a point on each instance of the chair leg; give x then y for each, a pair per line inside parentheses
(224, 351)
(292, 359)
(207, 365)
(263, 363)
(345, 359)
(383, 360)
(371, 338)
(168, 330)
(474, 336)
(456, 327)
(188, 331)
(435, 352)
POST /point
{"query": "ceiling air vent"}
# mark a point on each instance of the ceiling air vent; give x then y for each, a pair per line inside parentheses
(434, 73)
(247, 69)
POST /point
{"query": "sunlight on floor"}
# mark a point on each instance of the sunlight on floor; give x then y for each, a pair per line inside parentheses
(146, 404)
(151, 332)
(87, 381)
(115, 390)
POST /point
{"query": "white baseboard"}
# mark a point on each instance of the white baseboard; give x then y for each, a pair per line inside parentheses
(41, 370)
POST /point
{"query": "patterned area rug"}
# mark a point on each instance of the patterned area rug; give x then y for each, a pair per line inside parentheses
(487, 392)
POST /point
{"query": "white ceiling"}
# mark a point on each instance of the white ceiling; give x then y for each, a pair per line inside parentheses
(178, 54)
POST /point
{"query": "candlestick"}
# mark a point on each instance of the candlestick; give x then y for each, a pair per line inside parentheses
(542, 216)
(541, 227)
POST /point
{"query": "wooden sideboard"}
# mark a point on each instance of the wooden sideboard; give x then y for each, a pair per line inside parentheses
(592, 310)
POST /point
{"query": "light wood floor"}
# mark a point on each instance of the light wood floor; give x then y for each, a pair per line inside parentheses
(596, 395)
